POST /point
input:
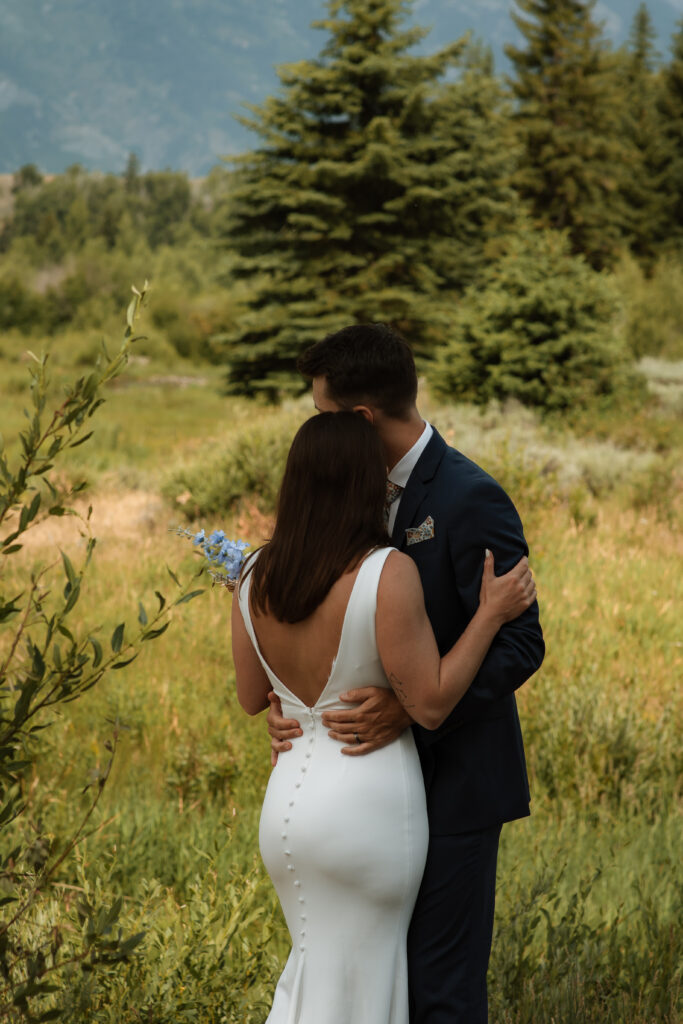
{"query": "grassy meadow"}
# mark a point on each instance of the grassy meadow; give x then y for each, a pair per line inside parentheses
(589, 888)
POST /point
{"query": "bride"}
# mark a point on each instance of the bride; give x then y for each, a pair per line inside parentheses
(326, 606)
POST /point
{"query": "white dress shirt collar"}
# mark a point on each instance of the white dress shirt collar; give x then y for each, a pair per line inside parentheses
(404, 467)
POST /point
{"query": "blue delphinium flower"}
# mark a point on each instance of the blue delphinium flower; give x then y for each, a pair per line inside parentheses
(224, 557)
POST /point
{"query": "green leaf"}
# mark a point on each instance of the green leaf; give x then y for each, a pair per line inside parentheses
(16, 767)
(113, 913)
(90, 387)
(9, 607)
(189, 597)
(130, 312)
(122, 664)
(173, 576)
(37, 664)
(68, 568)
(11, 810)
(129, 944)
(97, 651)
(11, 857)
(33, 988)
(162, 600)
(24, 702)
(72, 597)
(95, 405)
(35, 505)
(117, 638)
(152, 634)
(81, 440)
(142, 615)
(65, 632)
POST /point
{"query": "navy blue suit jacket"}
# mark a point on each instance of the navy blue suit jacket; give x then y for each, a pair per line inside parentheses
(473, 764)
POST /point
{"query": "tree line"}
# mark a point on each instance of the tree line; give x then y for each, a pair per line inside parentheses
(480, 214)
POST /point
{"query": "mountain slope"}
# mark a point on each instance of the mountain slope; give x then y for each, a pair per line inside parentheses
(88, 81)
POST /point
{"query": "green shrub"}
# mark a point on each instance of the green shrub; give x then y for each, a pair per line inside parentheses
(553, 960)
(251, 467)
(653, 307)
(20, 307)
(207, 961)
(538, 327)
(631, 457)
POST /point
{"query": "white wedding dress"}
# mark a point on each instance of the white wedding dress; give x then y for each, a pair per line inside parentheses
(344, 840)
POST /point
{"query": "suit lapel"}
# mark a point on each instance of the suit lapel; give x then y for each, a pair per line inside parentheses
(417, 488)
(410, 501)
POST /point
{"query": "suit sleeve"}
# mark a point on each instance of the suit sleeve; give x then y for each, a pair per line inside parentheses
(490, 520)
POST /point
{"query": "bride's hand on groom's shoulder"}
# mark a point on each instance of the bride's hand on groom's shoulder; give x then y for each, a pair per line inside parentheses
(377, 719)
(281, 730)
(505, 597)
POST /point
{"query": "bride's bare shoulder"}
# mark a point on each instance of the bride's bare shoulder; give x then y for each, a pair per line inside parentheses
(400, 602)
(399, 572)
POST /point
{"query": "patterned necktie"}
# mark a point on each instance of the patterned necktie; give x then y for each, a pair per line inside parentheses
(393, 492)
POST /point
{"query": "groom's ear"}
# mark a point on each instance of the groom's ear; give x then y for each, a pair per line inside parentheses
(366, 411)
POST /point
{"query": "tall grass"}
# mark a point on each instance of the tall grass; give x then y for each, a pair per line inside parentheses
(589, 900)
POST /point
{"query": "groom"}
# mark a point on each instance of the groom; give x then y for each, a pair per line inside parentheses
(443, 511)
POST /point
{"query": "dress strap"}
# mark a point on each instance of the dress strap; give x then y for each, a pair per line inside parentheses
(243, 590)
(363, 601)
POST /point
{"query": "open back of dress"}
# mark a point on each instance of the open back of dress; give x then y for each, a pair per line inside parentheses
(344, 840)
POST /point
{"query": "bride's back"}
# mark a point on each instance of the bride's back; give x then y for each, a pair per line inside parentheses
(312, 662)
(302, 654)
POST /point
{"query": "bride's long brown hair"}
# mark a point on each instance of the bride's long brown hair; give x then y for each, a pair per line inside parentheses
(329, 513)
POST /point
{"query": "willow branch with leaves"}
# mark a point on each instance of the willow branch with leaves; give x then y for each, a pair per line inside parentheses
(48, 658)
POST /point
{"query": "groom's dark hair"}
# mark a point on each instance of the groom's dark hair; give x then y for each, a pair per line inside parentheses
(365, 363)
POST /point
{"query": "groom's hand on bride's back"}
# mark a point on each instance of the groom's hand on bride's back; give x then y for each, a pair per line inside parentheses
(281, 730)
(377, 719)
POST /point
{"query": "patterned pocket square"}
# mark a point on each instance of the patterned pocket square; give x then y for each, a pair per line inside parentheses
(425, 531)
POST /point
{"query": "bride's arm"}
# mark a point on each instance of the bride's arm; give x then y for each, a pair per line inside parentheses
(253, 685)
(428, 686)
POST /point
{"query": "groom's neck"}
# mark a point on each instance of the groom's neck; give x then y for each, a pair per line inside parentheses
(399, 436)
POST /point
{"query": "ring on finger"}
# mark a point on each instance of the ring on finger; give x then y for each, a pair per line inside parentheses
(357, 738)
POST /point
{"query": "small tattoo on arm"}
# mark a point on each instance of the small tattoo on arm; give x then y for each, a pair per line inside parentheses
(399, 690)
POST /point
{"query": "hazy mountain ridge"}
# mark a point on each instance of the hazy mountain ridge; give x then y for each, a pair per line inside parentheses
(81, 82)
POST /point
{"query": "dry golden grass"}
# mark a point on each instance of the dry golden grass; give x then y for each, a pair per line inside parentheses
(601, 722)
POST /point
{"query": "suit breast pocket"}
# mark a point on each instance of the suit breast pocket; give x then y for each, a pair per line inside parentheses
(430, 557)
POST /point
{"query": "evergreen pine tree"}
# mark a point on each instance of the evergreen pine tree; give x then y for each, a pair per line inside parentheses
(131, 175)
(671, 109)
(641, 43)
(539, 327)
(27, 176)
(567, 118)
(642, 187)
(371, 198)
